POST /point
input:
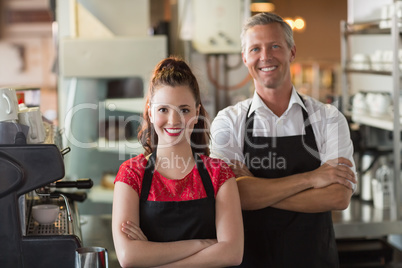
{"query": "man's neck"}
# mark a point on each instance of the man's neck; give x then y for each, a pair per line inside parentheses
(277, 100)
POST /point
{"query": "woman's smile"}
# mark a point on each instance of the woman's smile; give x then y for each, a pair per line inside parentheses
(173, 131)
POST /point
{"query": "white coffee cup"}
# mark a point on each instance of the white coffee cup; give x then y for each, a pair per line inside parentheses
(361, 61)
(8, 104)
(32, 117)
(379, 103)
(377, 60)
(387, 59)
(359, 104)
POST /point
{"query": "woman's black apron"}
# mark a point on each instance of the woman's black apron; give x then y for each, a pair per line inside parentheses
(281, 238)
(182, 220)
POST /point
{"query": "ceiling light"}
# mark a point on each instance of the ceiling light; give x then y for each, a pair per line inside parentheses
(299, 23)
(262, 6)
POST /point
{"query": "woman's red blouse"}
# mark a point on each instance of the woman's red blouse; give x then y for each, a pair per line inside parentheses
(189, 187)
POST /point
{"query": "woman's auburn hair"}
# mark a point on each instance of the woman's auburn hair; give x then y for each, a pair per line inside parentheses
(174, 71)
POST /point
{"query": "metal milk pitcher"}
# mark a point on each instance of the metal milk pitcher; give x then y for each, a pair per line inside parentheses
(91, 257)
(383, 186)
(368, 159)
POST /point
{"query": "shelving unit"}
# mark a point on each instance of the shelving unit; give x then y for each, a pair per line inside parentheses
(104, 52)
(376, 222)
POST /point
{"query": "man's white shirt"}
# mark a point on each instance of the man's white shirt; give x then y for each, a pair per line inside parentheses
(329, 125)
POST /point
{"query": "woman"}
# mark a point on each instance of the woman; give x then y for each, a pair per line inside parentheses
(173, 205)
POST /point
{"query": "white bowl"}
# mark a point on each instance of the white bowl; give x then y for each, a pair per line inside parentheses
(45, 213)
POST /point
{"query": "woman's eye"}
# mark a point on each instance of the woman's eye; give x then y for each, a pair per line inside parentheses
(184, 111)
(254, 49)
(275, 46)
(162, 110)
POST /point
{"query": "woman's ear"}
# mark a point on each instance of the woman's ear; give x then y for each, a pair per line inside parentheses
(150, 114)
(197, 113)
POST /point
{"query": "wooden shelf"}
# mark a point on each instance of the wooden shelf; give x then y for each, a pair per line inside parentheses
(385, 122)
(125, 146)
(350, 70)
(370, 27)
(134, 105)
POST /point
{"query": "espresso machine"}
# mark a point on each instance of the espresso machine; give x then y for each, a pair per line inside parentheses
(28, 171)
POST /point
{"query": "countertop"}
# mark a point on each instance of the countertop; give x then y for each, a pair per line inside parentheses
(97, 232)
(360, 219)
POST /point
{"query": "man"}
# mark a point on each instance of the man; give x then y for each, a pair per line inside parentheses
(292, 156)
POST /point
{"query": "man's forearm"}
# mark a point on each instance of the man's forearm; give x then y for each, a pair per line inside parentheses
(291, 193)
(332, 197)
(257, 193)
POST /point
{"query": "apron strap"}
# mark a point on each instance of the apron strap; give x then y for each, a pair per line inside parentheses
(249, 129)
(206, 179)
(309, 138)
(148, 174)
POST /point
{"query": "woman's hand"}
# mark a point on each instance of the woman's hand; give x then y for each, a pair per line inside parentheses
(133, 231)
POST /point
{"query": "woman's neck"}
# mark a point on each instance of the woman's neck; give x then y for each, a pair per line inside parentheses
(174, 162)
(179, 150)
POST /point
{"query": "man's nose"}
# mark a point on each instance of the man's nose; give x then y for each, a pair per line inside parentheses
(265, 55)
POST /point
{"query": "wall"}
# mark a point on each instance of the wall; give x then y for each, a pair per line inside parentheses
(27, 50)
(319, 42)
(321, 39)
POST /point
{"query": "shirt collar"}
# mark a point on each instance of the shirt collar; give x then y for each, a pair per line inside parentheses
(258, 103)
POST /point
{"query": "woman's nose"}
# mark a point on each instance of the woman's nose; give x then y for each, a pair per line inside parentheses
(174, 117)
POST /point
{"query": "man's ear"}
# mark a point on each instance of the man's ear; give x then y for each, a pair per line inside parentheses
(243, 58)
(293, 53)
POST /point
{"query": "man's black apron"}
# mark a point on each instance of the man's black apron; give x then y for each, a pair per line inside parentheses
(280, 238)
(172, 221)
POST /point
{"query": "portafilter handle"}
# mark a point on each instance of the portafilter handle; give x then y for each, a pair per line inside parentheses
(79, 184)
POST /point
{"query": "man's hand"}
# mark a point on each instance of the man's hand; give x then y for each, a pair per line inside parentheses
(333, 171)
(239, 169)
